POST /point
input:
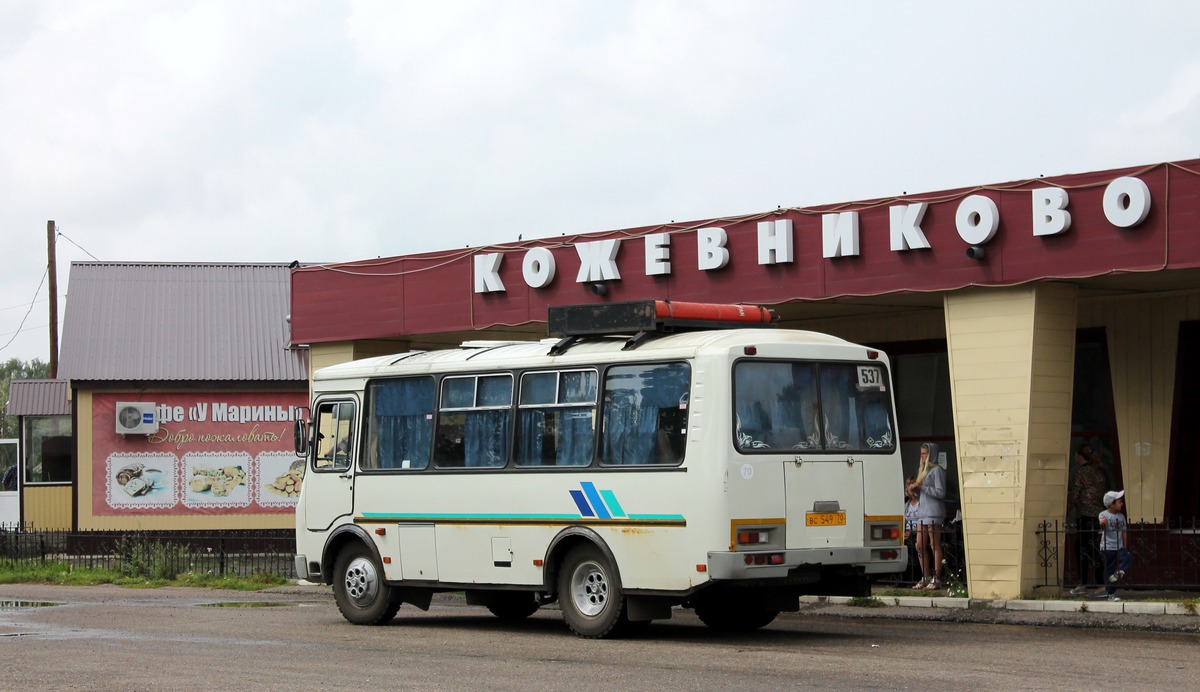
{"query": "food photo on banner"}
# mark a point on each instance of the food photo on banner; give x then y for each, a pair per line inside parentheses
(221, 453)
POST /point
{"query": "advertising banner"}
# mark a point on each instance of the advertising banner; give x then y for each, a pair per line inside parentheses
(223, 453)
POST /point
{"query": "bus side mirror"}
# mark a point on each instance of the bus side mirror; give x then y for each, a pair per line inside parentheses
(300, 437)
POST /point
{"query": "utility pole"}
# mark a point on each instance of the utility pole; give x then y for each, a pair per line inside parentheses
(53, 272)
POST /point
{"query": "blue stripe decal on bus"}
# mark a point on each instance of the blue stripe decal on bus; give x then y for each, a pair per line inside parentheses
(584, 509)
(610, 499)
(589, 489)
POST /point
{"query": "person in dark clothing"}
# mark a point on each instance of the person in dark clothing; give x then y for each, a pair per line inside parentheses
(10, 478)
(1085, 498)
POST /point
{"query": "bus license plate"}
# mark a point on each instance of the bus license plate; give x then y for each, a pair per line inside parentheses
(825, 519)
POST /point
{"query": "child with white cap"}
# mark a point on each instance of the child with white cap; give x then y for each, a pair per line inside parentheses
(1113, 548)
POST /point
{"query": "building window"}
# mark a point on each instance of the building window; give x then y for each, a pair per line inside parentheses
(48, 448)
(924, 406)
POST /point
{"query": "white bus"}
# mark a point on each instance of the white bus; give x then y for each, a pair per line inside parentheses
(729, 470)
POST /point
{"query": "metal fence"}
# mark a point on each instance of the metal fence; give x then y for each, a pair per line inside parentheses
(954, 569)
(1166, 555)
(223, 553)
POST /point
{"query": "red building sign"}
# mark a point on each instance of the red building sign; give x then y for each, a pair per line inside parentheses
(1127, 220)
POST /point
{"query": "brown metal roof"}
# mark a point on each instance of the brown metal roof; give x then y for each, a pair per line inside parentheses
(38, 398)
(151, 321)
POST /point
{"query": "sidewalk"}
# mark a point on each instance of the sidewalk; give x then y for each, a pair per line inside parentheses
(1131, 603)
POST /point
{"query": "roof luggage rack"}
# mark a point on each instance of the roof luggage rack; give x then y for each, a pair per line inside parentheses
(647, 318)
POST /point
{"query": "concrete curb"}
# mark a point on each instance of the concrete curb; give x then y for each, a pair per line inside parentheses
(1071, 606)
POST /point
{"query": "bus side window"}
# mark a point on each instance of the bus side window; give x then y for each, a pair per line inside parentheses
(640, 401)
(399, 426)
(334, 436)
(473, 422)
(556, 418)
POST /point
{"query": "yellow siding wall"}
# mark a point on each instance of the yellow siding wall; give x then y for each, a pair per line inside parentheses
(47, 507)
(1011, 356)
(324, 355)
(1143, 337)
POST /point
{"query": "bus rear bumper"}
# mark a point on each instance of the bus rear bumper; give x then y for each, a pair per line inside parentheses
(726, 565)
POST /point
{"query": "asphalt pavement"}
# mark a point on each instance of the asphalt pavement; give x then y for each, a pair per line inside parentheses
(1163, 611)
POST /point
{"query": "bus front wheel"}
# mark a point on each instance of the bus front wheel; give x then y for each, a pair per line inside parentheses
(589, 593)
(360, 590)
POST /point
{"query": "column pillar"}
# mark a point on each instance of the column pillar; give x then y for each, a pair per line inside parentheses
(1011, 356)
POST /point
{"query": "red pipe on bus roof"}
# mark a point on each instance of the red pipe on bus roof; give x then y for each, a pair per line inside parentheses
(667, 309)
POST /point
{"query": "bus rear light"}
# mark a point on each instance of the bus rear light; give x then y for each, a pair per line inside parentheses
(753, 537)
(889, 554)
(885, 533)
(750, 350)
(701, 568)
(873, 355)
(764, 559)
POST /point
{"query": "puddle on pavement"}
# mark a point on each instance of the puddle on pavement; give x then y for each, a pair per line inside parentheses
(246, 604)
(21, 605)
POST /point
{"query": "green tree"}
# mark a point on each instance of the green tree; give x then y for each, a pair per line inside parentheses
(16, 369)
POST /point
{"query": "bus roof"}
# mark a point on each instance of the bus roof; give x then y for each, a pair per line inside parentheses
(483, 355)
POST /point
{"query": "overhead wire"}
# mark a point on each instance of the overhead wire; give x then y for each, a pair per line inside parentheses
(27, 312)
(65, 237)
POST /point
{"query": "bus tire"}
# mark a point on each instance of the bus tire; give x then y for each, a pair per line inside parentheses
(589, 593)
(513, 606)
(728, 616)
(360, 590)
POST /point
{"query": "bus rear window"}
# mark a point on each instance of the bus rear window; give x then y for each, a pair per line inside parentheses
(810, 406)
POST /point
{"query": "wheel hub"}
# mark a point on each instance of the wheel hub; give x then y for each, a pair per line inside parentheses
(589, 589)
(362, 581)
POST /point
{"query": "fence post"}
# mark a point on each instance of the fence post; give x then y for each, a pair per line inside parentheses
(221, 556)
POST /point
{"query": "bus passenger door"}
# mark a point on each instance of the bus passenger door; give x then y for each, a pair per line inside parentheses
(329, 482)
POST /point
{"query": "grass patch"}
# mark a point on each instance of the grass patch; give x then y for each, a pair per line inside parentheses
(865, 602)
(255, 582)
(56, 573)
(62, 574)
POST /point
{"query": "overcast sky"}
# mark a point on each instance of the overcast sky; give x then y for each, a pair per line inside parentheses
(233, 131)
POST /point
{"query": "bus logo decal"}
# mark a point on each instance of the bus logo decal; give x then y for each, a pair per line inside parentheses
(601, 504)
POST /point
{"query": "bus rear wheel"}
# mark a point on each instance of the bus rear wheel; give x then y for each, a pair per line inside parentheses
(726, 616)
(360, 590)
(589, 593)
